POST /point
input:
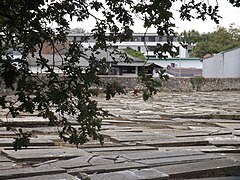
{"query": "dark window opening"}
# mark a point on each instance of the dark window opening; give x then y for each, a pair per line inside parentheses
(151, 38)
(128, 70)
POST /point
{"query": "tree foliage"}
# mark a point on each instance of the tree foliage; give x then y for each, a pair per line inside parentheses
(213, 42)
(63, 99)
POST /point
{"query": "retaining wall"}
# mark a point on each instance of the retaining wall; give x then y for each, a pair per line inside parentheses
(183, 84)
(174, 84)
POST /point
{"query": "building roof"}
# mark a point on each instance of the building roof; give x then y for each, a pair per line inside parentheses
(172, 59)
(223, 52)
(90, 34)
(136, 64)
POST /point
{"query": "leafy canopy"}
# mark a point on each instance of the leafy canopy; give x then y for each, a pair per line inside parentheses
(213, 42)
(67, 98)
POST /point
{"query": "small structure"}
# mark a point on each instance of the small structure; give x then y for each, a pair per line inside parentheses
(179, 66)
(225, 64)
(134, 68)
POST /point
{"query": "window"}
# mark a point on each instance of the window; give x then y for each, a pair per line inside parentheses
(151, 38)
(128, 69)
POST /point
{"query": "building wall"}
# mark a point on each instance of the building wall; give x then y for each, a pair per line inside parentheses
(223, 65)
(137, 43)
(179, 63)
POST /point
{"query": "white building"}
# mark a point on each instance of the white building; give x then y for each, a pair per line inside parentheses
(177, 62)
(142, 42)
(225, 64)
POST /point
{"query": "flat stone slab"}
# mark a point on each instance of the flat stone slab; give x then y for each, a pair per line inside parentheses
(130, 138)
(120, 148)
(226, 149)
(44, 154)
(5, 133)
(24, 121)
(236, 132)
(208, 168)
(174, 142)
(160, 154)
(33, 142)
(192, 134)
(107, 168)
(7, 165)
(177, 160)
(220, 178)
(235, 126)
(227, 140)
(143, 174)
(28, 172)
(61, 176)
(4, 158)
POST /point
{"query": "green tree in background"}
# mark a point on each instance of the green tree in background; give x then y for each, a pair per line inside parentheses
(213, 42)
(26, 25)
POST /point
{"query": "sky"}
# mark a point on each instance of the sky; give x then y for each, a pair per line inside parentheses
(229, 15)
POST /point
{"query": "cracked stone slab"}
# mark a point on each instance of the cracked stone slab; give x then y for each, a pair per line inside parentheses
(44, 154)
(100, 161)
(77, 162)
(108, 168)
(143, 174)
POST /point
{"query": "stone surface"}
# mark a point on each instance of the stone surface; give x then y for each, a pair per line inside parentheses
(120, 148)
(177, 160)
(34, 142)
(28, 172)
(63, 176)
(170, 131)
(108, 168)
(208, 168)
(73, 162)
(44, 154)
(160, 154)
(219, 178)
(144, 174)
(174, 142)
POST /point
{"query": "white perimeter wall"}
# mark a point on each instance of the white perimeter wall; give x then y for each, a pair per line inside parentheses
(223, 65)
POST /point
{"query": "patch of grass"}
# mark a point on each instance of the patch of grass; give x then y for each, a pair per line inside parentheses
(134, 53)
